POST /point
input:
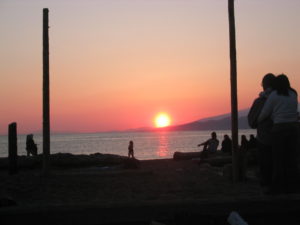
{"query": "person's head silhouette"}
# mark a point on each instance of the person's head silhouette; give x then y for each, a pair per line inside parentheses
(268, 81)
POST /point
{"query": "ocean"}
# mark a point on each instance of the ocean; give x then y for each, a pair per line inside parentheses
(147, 145)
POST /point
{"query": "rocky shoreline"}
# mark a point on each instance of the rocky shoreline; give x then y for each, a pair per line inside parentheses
(65, 160)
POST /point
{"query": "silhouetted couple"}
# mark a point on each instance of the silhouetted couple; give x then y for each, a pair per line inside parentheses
(248, 144)
(275, 116)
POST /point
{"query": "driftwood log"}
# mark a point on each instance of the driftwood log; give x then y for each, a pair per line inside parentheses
(186, 155)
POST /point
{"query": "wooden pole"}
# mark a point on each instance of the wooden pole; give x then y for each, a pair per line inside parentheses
(46, 99)
(12, 148)
(233, 82)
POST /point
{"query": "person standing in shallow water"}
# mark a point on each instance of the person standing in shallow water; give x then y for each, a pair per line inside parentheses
(130, 149)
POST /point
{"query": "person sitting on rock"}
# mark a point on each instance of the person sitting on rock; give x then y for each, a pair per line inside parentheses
(31, 146)
(252, 142)
(226, 144)
(209, 146)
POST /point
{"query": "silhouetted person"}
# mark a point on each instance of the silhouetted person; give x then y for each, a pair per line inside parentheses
(263, 128)
(252, 142)
(243, 157)
(31, 147)
(130, 149)
(282, 107)
(244, 143)
(210, 146)
(226, 144)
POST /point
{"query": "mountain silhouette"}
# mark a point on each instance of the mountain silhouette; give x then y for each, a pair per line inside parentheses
(221, 122)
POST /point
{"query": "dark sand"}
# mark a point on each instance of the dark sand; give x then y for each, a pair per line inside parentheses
(163, 185)
(164, 179)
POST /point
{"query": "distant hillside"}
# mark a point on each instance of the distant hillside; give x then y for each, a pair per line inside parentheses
(220, 122)
(212, 124)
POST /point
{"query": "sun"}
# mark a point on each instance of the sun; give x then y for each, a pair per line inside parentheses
(162, 120)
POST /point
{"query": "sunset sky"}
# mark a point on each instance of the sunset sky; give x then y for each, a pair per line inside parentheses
(115, 64)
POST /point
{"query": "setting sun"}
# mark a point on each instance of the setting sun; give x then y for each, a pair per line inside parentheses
(162, 120)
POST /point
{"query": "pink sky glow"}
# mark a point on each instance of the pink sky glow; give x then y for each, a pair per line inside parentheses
(114, 65)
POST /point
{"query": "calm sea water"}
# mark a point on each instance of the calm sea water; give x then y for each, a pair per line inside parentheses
(147, 145)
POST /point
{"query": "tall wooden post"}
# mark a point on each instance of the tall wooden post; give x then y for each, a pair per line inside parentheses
(233, 82)
(46, 99)
(12, 148)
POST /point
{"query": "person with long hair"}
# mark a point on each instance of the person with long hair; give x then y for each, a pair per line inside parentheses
(282, 107)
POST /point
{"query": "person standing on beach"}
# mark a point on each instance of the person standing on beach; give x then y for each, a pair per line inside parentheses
(282, 106)
(263, 129)
(130, 149)
(31, 146)
(209, 146)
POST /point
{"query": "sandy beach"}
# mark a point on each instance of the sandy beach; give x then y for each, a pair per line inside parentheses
(155, 183)
(164, 179)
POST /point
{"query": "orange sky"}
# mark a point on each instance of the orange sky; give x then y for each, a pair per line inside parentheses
(115, 64)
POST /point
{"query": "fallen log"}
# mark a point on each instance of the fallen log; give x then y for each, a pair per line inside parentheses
(186, 155)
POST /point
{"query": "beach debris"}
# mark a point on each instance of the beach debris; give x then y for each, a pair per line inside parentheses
(131, 163)
(235, 219)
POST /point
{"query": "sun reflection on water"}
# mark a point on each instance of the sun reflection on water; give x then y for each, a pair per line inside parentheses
(163, 145)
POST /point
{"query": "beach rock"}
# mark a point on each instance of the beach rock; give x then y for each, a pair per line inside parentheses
(66, 160)
(131, 163)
